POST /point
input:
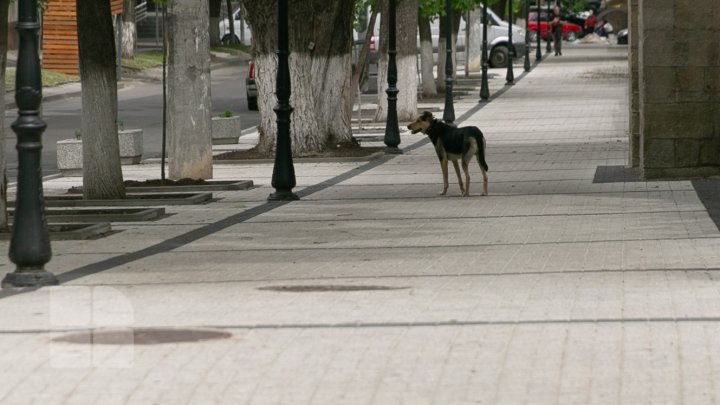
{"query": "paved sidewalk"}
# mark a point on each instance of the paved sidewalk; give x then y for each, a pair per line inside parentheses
(552, 289)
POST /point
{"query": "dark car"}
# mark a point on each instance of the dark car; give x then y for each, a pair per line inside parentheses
(622, 37)
(251, 88)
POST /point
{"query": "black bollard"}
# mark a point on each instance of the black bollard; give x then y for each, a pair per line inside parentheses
(449, 112)
(30, 241)
(510, 76)
(283, 177)
(526, 65)
(484, 87)
(392, 130)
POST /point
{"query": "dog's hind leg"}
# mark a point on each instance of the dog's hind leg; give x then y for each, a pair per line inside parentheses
(444, 166)
(485, 181)
(483, 164)
(460, 181)
(466, 169)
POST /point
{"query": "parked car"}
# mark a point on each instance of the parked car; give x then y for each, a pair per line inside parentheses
(622, 37)
(251, 88)
(498, 41)
(239, 25)
(571, 31)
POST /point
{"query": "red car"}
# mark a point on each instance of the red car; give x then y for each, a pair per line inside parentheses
(571, 31)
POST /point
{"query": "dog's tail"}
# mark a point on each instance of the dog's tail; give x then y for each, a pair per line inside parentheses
(481, 151)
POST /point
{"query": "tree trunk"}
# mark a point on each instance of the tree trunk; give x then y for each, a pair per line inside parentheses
(406, 47)
(129, 30)
(442, 54)
(429, 89)
(320, 72)
(231, 22)
(190, 108)
(362, 57)
(500, 8)
(3, 64)
(102, 174)
(215, 6)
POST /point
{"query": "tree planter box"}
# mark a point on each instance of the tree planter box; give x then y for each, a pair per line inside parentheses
(70, 154)
(131, 146)
(70, 157)
(225, 130)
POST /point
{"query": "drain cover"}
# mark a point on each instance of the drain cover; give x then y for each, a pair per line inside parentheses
(141, 336)
(329, 288)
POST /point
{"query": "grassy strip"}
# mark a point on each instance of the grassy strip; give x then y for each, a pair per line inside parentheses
(234, 49)
(144, 60)
(49, 78)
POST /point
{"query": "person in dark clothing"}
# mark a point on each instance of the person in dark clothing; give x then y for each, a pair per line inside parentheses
(556, 26)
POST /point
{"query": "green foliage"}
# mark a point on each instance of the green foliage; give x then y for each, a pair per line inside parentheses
(78, 134)
(227, 114)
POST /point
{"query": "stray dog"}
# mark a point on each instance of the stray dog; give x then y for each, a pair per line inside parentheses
(453, 143)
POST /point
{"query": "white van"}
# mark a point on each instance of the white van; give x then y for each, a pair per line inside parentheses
(242, 30)
(498, 41)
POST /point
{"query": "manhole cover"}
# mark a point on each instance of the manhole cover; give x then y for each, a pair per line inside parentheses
(141, 336)
(330, 288)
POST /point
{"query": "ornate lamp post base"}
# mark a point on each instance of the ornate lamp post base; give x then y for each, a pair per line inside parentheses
(283, 195)
(29, 278)
(393, 150)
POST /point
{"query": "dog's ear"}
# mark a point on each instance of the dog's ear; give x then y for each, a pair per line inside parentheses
(427, 116)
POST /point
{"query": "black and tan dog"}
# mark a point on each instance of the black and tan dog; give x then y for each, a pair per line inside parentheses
(452, 143)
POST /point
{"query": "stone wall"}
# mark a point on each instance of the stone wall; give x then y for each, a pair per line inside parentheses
(679, 87)
(634, 84)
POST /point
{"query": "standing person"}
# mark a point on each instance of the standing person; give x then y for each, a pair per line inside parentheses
(590, 23)
(556, 26)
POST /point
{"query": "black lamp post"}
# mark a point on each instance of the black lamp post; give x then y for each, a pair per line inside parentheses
(548, 48)
(392, 131)
(283, 178)
(449, 113)
(538, 50)
(484, 87)
(510, 76)
(526, 66)
(30, 241)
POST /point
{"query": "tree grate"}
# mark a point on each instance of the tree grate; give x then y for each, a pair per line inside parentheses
(330, 288)
(141, 336)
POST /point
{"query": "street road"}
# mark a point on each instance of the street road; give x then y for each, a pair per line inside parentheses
(139, 106)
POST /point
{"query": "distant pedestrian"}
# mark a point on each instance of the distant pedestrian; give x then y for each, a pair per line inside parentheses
(590, 23)
(556, 26)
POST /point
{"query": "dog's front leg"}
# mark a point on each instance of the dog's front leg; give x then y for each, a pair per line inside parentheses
(444, 166)
(457, 171)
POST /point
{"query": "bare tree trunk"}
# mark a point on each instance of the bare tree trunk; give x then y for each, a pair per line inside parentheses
(231, 23)
(426, 58)
(406, 48)
(3, 64)
(320, 72)
(102, 174)
(442, 54)
(215, 6)
(362, 58)
(129, 30)
(190, 108)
